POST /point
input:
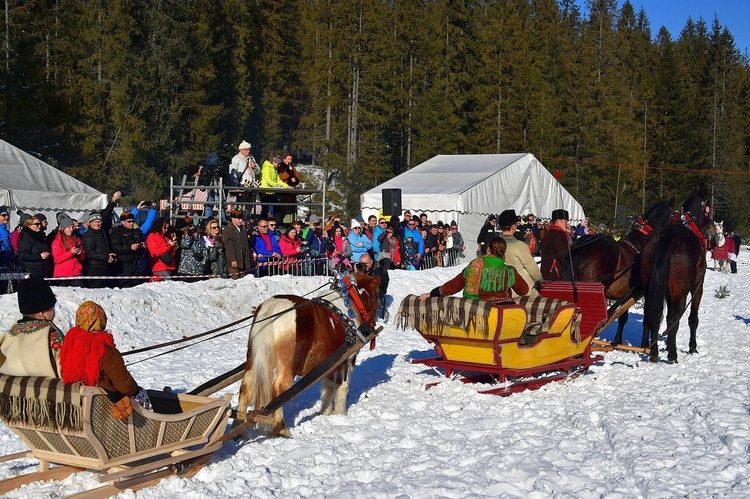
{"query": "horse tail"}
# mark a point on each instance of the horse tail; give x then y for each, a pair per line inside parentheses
(264, 362)
(257, 383)
(657, 288)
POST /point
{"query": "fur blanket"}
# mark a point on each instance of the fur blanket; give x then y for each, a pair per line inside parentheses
(40, 402)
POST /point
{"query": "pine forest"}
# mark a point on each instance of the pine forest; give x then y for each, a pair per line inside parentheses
(124, 94)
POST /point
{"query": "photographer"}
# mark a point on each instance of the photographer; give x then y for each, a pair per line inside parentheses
(367, 265)
(99, 258)
(161, 243)
(67, 252)
(128, 245)
(145, 214)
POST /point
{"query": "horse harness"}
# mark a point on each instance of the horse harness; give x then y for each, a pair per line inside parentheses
(686, 219)
(342, 283)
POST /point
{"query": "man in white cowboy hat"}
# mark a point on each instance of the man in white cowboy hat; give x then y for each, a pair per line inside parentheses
(242, 164)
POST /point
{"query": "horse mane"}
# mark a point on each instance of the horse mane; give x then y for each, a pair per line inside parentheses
(695, 204)
(659, 214)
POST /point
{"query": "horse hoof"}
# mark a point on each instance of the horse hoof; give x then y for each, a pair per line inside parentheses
(653, 360)
(693, 350)
(672, 361)
(614, 343)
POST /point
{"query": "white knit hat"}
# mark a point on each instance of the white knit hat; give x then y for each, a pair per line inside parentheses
(244, 145)
(355, 223)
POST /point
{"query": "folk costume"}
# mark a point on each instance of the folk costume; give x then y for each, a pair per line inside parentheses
(31, 347)
(89, 355)
(487, 278)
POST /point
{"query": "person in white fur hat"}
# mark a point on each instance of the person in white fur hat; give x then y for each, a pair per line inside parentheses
(358, 241)
(242, 164)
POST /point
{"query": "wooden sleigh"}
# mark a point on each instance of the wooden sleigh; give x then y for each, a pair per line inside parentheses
(522, 346)
(73, 426)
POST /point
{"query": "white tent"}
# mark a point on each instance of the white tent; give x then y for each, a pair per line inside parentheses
(469, 187)
(32, 186)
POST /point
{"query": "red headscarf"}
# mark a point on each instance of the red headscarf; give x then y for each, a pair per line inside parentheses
(84, 346)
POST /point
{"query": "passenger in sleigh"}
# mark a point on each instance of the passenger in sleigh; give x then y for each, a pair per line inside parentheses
(89, 355)
(486, 278)
(32, 345)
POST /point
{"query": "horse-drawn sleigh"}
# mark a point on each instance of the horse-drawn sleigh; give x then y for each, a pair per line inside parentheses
(74, 427)
(537, 340)
(521, 345)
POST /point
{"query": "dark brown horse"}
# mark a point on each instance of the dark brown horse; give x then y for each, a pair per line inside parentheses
(290, 336)
(673, 265)
(599, 258)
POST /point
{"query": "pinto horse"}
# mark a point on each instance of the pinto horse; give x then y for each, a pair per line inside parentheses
(291, 335)
(673, 265)
(599, 258)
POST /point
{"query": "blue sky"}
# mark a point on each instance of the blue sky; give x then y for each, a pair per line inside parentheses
(733, 14)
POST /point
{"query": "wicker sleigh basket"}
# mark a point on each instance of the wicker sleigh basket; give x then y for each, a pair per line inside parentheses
(73, 424)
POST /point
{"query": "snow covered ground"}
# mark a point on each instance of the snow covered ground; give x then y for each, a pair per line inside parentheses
(628, 428)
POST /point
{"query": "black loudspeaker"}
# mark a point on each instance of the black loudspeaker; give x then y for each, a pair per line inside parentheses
(391, 202)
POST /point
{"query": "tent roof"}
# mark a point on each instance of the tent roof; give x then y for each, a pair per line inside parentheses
(450, 174)
(479, 183)
(30, 183)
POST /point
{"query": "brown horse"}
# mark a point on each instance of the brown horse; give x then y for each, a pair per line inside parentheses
(291, 335)
(599, 258)
(673, 265)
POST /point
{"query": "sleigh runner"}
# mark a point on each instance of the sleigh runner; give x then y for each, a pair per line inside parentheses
(523, 344)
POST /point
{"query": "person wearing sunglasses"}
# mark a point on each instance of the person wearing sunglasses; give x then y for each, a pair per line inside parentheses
(216, 262)
(266, 247)
(412, 256)
(33, 251)
(377, 231)
(358, 241)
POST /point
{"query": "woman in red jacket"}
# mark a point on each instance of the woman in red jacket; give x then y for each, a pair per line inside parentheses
(161, 250)
(67, 253)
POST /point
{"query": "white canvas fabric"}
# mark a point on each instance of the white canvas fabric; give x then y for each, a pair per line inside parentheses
(469, 187)
(33, 186)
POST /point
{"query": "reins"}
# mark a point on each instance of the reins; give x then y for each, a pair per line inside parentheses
(212, 331)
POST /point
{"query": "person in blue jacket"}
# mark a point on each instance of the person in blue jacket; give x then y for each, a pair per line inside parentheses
(358, 241)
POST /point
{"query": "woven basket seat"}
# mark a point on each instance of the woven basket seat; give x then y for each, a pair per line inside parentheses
(74, 425)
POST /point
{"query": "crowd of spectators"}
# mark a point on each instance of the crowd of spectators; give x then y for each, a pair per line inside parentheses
(106, 249)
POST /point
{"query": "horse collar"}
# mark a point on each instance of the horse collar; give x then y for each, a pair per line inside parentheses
(348, 291)
(643, 226)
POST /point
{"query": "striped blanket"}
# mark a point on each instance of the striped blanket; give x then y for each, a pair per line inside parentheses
(40, 402)
(539, 312)
(437, 315)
